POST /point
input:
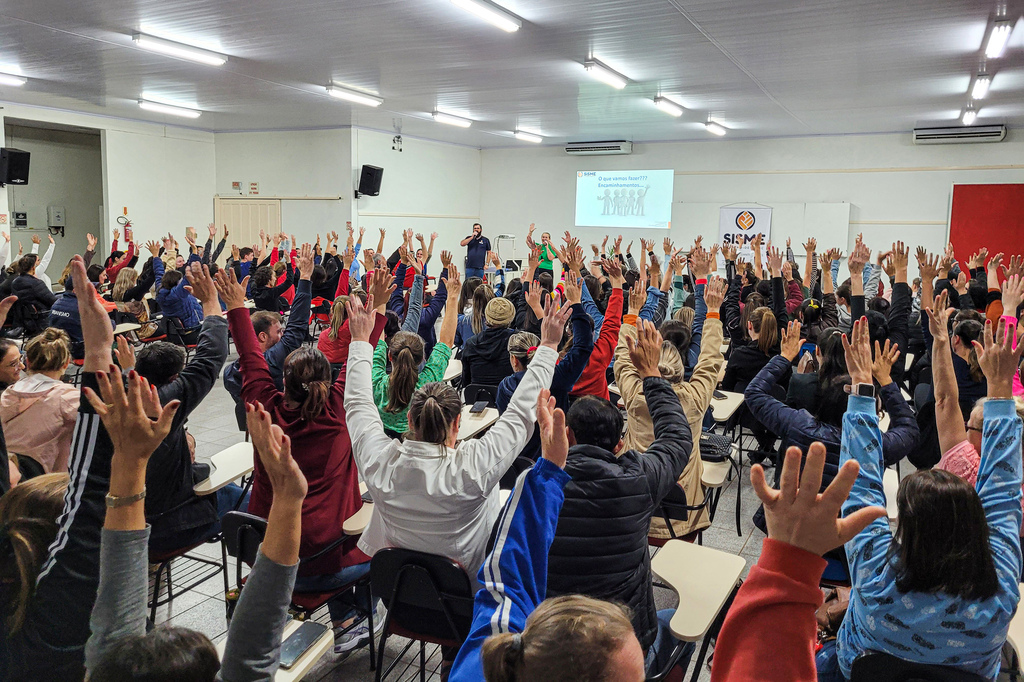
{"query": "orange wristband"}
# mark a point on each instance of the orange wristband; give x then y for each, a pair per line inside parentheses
(713, 316)
(629, 319)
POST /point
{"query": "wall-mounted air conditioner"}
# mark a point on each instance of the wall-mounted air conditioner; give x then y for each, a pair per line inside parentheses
(959, 134)
(597, 148)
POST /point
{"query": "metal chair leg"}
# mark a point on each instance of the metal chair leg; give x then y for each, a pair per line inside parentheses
(423, 661)
(700, 659)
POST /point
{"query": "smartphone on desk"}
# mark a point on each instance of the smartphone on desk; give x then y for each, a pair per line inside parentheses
(718, 395)
(300, 641)
(478, 407)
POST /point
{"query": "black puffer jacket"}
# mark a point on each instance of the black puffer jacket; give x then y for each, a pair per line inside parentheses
(600, 546)
(485, 357)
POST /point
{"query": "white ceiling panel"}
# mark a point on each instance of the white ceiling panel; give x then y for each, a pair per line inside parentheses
(766, 68)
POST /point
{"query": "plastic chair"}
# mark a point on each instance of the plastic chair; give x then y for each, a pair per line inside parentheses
(879, 667)
(429, 600)
(179, 336)
(241, 538)
(194, 579)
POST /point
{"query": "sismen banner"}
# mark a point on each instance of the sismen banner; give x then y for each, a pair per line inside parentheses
(746, 222)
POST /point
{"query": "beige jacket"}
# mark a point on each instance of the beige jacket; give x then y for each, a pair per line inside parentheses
(695, 397)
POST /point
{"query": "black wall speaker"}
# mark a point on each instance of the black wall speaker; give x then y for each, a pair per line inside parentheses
(14, 167)
(369, 181)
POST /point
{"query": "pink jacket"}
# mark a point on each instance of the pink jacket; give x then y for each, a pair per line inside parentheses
(38, 415)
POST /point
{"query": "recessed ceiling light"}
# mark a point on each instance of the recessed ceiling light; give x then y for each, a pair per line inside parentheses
(981, 85)
(997, 39)
(175, 49)
(354, 95)
(172, 109)
(715, 129)
(452, 120)
(528, 137)
(668, 106)
(491, 13)
(602, 73)
(11, 79)
(969, 115)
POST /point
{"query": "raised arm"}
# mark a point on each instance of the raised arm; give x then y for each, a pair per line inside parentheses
(45, 260)
(999, 474)
(446, 335)
(948, 418)
(514, 574)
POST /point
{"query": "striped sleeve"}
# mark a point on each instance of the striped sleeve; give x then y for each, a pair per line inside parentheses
(514, 574)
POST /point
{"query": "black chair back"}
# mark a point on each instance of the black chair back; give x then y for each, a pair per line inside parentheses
(476, 392)
(242, 535)
(879, 667)
(427, 595)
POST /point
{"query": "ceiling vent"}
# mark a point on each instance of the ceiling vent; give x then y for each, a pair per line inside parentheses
(959, 134)
(598, 148)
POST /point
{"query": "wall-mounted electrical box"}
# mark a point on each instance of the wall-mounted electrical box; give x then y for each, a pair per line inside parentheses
(20, 219)
(55, 216)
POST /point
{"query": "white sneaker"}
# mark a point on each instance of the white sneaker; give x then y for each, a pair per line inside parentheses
(359, 636)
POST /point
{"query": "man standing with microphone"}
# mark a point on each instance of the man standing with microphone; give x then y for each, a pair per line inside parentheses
(477, 246)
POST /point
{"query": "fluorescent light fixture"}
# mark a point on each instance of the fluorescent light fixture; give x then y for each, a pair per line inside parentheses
(969, 115)
(451, 120)
(668, 106)
(11, 79)
(981, 85)
(528, 137)
(354, 96)
(997, 39)
(491, 13)
(602, 73)
(715, 129)
(172, 109)
(169, 47)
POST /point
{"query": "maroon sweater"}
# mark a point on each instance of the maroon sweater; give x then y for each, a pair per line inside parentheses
(321, 447)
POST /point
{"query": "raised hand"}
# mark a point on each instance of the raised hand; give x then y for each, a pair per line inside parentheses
(961, 283)
(125, 352)
(97, 333)
(554, 439)
(885, 358)
(574, 290)
(999, 357)
(787, 271)
(533, 293)
(811, 245)
(938, 317)
(614, 270)
(154, 248)
(797, 515)
(645, 351)
(452, 283)
(1013, 294)
(381, 286)
(858, 352)
(1016, 267)
(858, 259)
(637, 297)
(35, 239)
(791, 341)
(774, 261)
(667, 247)
(230, 290)
(446, 258)
(714, 293)
(304, 261)
(552, 326)
(125, 414)
(360, 317)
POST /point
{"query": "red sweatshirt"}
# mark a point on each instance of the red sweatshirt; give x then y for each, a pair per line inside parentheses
(594, 379)
(114, 269)
(289, 294)
(321, 447)
(770, 632)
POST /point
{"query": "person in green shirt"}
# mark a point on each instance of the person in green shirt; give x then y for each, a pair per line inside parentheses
(392, 393)
(546, 252)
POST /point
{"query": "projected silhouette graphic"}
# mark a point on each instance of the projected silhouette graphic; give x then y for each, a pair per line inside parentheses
(607, 199)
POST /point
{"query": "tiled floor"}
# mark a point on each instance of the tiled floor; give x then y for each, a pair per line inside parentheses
(214, 428)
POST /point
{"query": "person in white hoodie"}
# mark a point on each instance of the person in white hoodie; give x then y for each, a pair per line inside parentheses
(38, 411)
(432, 493)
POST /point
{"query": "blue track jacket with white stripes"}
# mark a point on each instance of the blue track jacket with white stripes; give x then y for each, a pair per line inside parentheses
(515, 574)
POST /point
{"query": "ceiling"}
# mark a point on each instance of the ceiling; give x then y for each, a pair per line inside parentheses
(763, 69)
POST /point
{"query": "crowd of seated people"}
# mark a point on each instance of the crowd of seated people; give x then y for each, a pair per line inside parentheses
(344, 377)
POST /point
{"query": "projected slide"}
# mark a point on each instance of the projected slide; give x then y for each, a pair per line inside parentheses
(624, 198)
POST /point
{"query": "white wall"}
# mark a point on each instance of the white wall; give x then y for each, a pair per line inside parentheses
(65, 170)
(163, 174)
(896, 189)
(165, 181)
(292, 164)
(427, 187)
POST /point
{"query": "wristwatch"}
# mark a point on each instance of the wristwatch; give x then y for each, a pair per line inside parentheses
(865, 390)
